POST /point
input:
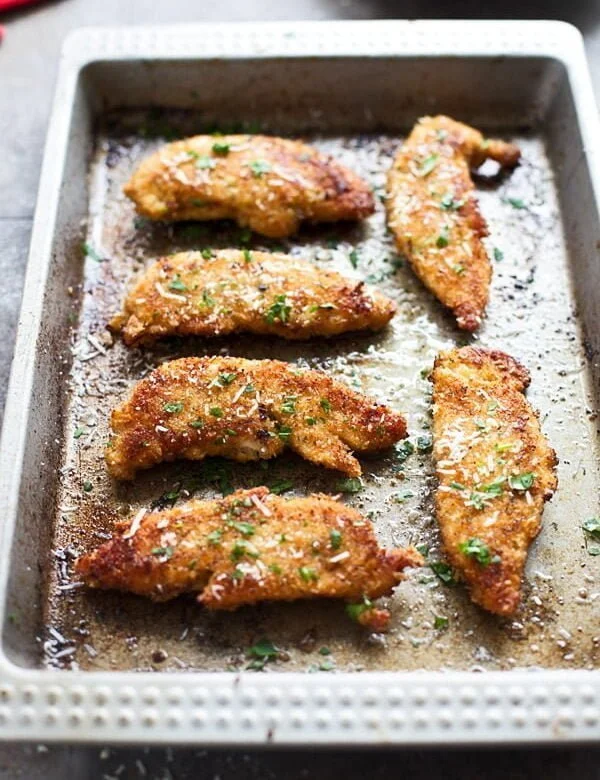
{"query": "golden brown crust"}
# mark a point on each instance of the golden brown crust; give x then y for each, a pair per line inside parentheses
(434, 215)
(249, 547)
(232, 291)
(245, 410)
(495, 471)
(269, 184)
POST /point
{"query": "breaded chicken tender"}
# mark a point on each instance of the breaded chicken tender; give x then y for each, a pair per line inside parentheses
(268, 184)
(495, 471)
(245, 410)
(434, 215)
(248, 547)
(231, 291)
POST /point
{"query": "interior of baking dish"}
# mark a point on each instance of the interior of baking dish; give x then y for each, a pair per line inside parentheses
(544, 310)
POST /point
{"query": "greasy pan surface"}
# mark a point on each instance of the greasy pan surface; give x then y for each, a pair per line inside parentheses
(434, 626)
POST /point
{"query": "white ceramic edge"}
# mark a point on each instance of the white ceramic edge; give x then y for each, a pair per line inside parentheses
(278, 708)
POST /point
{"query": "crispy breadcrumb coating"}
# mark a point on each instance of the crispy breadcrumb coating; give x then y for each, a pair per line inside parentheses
(214, 293)
(268, 184)
(434, 215)
(249, 547)
(495, 471)
(245, 410)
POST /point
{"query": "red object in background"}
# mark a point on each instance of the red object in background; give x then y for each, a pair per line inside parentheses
(8, 5)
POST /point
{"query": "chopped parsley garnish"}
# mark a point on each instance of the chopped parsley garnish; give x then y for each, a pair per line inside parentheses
(206, 253)
(281, 486)
(498, 254)
(214, 537)
(241, 548)
(327, 666)
(592, 530)
(87, 486)
(173, 407)
(219, 471)
(275, 568)
(424, 443)
(444, 238)
(262, 652)
(193, 232)
(237, 574)
(205, 162)
(325, 405)
(521, 481)
(246, 529)
(475, 548)
(477, 500)
(349, 485)
(216, 411)
(335, 537)
(592, 527)
(458, 269)
(247, 255)
(197, 424)
(457, 486)
(165, 552)
(308, 574)
(167, 499)
(221, 148)
(289, 404)
(353, 257)
(245, 236)
(258, 167)
(311, 420)
(449, 204)
(493, 489)
(284, 432)
(177, 284)
(423, 549)
(89, 251)
(428, 164)
(249, 389)
(324, 651)
(404, 450)
(354, 611)
(516, 203)
(402, 496)
(79, 432)
(440, 623)
(443, 571)
(263, 649)
(279, 310)
(226, 379)
(207, 300)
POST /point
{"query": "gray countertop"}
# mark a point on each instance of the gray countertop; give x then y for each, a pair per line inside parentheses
(28, 60)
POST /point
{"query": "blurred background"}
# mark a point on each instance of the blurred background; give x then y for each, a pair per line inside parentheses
(29, 50)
